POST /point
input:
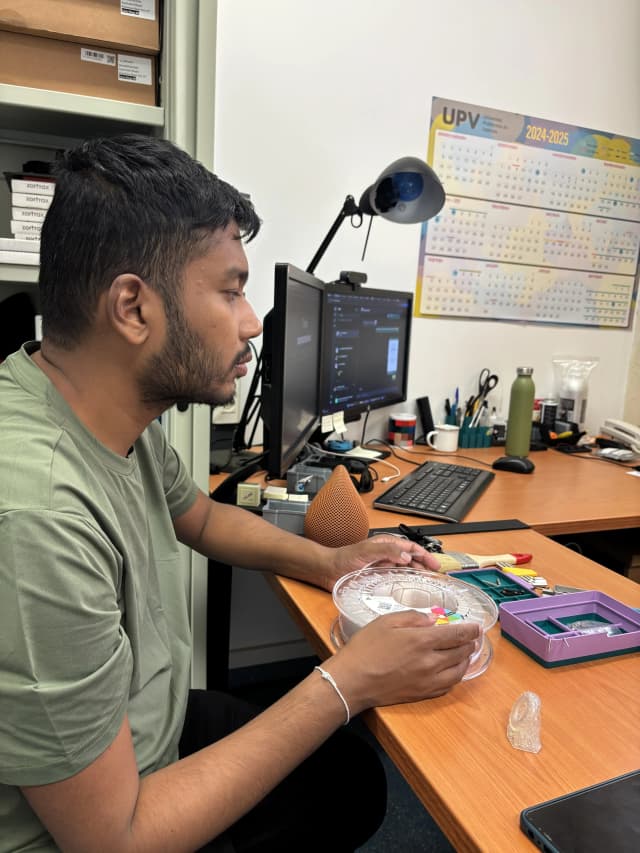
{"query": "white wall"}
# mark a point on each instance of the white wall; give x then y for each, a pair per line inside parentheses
(314, 99)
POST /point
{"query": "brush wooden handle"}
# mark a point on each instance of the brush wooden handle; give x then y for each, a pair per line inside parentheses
(453, 561)
(494, 559)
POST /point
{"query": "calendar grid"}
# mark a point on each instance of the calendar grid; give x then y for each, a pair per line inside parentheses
(529, 232)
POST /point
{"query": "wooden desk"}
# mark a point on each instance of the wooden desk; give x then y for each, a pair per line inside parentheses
(454, 752)
(565, 494)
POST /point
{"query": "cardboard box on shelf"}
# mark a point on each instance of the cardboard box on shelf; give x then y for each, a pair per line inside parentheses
(133, 25)
(64, 66)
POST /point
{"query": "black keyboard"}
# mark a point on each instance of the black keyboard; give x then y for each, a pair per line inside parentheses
(436, 490)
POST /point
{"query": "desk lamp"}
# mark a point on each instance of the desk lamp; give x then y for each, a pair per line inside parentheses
(407, 191)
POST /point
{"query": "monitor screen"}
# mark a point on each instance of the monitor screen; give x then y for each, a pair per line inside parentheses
(291, 363)
(365, 349)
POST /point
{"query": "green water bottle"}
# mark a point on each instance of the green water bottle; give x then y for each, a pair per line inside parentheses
(520, 413)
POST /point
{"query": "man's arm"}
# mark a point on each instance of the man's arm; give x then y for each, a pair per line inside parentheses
(241, 538)
(108, 807)
(400, 657)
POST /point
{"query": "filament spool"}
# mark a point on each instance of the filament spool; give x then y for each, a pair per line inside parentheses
(368, 593)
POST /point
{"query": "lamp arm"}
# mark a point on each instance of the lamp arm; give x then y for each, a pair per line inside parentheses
(349, 208)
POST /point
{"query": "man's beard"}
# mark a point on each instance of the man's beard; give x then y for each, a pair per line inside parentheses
(184, 371)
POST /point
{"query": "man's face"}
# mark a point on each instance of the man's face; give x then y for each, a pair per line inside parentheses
(206, 347)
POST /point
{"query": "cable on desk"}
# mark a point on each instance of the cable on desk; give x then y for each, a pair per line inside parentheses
(435, 453)
(317, 450)
(364, 425)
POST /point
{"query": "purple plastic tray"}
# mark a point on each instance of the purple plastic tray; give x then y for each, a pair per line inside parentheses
(572, 627)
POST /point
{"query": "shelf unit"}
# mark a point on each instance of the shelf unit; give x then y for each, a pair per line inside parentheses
(35, 123)
(46, 121)
(40, 111)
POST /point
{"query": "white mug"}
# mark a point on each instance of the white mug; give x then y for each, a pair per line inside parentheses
(444, 437)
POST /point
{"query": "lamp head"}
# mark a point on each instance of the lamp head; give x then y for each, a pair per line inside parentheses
(406, 191)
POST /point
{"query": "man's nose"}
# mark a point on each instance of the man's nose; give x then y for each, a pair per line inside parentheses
(251, 323)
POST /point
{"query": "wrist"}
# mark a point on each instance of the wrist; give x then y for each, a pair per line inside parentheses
(326, 676)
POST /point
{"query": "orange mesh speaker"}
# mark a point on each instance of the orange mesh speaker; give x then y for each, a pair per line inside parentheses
(337, 515)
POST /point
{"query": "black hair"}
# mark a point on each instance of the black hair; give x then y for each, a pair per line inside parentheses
(127, 204)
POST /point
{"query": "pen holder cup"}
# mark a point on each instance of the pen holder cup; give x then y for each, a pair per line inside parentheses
(479, 436)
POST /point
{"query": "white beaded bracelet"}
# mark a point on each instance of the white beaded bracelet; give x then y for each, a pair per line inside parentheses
(328, 677)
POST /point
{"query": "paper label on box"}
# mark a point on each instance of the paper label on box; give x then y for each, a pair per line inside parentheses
(134, 69)
(30, 185)
(139, 9)
(28, 213)
(30, 200)
(87, 54)
(21, 228)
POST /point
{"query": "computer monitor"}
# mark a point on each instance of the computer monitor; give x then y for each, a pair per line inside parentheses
(365, 349)
(291, 342)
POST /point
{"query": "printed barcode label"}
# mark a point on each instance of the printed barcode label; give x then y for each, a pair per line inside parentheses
(134, 69)
(88, 55)
(145, 9)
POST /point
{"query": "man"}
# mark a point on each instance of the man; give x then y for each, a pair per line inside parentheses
(102, 746)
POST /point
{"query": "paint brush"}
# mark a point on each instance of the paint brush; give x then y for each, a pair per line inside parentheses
(453, 561)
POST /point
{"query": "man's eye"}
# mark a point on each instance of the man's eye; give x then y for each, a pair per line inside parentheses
(234, 294)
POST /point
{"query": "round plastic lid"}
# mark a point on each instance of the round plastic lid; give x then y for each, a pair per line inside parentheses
(368, 593)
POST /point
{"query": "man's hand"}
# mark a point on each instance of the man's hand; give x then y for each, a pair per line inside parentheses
(383, 550)
(403, 657)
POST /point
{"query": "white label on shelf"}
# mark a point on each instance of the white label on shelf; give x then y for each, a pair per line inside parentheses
(88, 54)
(139, 9)
(134, 69)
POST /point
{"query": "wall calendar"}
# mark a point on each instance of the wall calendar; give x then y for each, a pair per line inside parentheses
(541, 221)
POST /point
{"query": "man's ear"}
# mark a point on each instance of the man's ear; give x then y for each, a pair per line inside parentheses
(132, 307)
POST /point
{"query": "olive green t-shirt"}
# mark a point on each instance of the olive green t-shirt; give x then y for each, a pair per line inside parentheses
(93, 607)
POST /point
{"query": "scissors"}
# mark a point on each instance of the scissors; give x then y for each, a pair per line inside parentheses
(487, 381)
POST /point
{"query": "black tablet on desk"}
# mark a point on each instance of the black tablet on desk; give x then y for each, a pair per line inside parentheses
(603, 818)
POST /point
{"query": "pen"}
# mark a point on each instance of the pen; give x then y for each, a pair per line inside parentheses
(468, 411)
